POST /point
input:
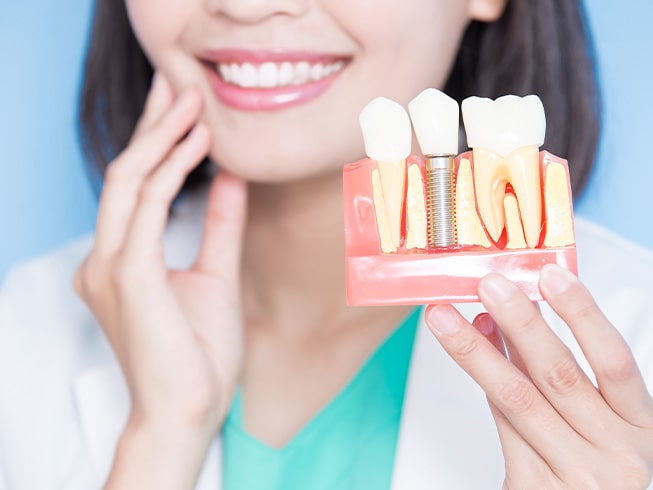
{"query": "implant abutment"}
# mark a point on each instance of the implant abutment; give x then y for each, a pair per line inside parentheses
(441, 201)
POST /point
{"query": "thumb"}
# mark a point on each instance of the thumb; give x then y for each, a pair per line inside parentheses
(224, 224)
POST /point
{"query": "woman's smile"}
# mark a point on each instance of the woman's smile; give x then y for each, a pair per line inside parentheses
(270, 80)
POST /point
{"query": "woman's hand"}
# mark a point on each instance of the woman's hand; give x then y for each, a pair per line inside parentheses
(557, 429)
(177, 334)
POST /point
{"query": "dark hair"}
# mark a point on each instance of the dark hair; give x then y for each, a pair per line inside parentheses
(541, 47)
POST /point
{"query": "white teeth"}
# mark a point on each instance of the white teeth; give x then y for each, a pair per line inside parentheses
(234, 70)
(268, 75)
(317, 72)
(302, 73)
(435, 118)
(505, 124)
(286, 73)
(271, 75)
(225, 72)
(248, 75)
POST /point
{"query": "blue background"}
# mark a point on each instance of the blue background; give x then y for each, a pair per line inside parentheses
(45, 198)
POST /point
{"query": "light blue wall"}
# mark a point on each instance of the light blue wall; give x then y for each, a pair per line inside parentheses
(621, 188)
(44, 196)
(45, 199)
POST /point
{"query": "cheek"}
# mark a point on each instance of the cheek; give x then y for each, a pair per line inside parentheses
(157, 28)
(405, 46)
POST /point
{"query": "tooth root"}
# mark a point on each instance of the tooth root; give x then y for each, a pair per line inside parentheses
(514, 228)
(557, 207)
(490, 179)
(416, 222)
(468, 223)
(387, 246)
(524, 172)
(393, 182)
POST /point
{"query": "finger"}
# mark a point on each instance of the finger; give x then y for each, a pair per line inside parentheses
(548, 362)
(486, 326)
(144, 240)
(523, 463)
(224, 223)
(610, 357)
(513, 353)
(519, 400)
(126, 174)
(159, 100)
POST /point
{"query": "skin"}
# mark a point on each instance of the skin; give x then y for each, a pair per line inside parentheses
(271, 318)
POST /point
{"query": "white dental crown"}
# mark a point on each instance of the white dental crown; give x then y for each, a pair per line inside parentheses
(386, 130)
(504, 124)
(436, 118)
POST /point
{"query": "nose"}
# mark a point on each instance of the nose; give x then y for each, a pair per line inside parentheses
(253, 11)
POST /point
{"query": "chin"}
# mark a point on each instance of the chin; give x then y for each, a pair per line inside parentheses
(255, 164)
(269, 163)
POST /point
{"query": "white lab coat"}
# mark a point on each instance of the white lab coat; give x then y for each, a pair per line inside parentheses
(63, 401)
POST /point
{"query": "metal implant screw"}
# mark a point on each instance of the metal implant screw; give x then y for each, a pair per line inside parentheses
(441, 201)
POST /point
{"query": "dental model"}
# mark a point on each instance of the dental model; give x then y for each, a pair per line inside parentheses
(427, 229)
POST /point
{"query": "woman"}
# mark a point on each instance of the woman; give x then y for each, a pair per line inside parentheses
(235, 323)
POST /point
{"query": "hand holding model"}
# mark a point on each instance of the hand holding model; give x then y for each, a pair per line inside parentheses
(557, 429)
(177, 334)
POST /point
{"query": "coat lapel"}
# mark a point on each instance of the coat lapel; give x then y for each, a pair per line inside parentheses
(103, 404)
(447, 438)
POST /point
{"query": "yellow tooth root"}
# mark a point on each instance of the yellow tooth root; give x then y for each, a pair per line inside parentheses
(557, 207)
(393, 181)
(468, 223)
(514, 228)
(524, 168)
(492, 172)
(490, 179)
(387, 245)
(416, 221)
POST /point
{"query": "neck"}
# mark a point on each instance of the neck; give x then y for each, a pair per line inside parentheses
(294, 248)
(294, 259)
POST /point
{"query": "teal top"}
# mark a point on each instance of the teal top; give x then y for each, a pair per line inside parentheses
(349, 445)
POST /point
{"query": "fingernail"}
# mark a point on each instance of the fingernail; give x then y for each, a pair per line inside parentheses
(485, 324)
(443, 319)
(556, 279)
(496, 288)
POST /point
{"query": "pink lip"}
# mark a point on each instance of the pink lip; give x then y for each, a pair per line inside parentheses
(261, 56)
(266, 99)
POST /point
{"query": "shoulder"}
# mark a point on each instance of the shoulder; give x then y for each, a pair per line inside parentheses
(37, 301)
(47, 337)
(619, 274)
(600, 248)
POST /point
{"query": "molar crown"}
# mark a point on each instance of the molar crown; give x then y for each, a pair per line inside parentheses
(504, 124)
(386, 130)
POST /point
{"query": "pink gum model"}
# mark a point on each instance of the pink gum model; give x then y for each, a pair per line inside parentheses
(432, 276)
